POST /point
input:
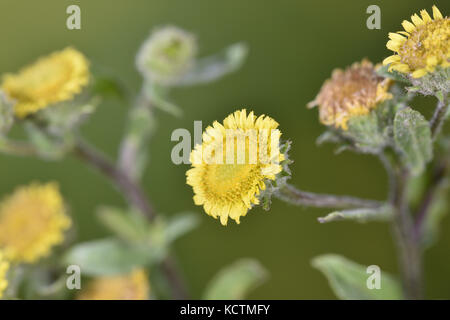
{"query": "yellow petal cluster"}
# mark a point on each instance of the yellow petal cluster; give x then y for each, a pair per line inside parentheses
(227, 180)
(4, 266)
(133, 286)
(350, 92)
(52, 79)
(32, 220)
(423, 46)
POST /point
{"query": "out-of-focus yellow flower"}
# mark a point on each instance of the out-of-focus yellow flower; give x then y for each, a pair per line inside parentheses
(4, 266)
(51, 79)
(32, 220)
(133, 286)
(350, 92)
(423, 46)
(233, 163)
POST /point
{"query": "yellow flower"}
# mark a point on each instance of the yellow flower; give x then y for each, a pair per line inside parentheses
(52, 79)
(32, 221)
(423, 46)
(4, 266)
(133, 286)
(350, 92)
(233, 163)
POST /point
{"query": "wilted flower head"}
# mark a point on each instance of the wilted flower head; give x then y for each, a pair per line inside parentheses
(32, 221)
(166, 55)
(52, 79)
(350, 92)
(133, 286)
(4, 266)
(422, 47)
(233, 163)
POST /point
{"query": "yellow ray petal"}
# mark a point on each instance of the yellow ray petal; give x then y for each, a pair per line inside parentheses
(419, 73)
(425, 16)
(391, 59)
(408, 26)
(416, 20)
(436, 13)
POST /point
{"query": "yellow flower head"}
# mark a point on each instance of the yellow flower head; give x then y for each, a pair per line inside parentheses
(350, 92)
(52, 79)
(4, 266)
(233, 163)
(32, 221)
(423, 46)
(133, 286)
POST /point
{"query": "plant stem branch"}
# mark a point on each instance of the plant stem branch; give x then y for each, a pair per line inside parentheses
(438, 176)
(408, 245)
(298, 197)
(438, 119)
(136, 197)
(133, 192)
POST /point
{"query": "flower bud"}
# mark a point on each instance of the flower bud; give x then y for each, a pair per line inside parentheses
(166, 55)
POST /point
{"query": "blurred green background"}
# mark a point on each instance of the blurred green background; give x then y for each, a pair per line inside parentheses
(294, 45)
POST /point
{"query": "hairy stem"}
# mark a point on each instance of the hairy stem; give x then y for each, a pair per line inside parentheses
(133, 147)
(438, 177)
(438, 119)
(298, 197)
(410, 252)
(137, 198)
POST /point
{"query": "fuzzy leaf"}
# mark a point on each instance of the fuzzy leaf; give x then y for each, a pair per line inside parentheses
(107, 257)
(158, 96)
(349, 279)
(130, 226)
(47, 147)
(383, 72)
(359, 215)
(412, 136)
(215, 67)
(235, 281)
(180, 225)
(364, 132)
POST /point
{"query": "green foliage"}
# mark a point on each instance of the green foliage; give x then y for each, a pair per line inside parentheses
(360, 215)
(394, 75)
(47, 146)
(235, 281)
(412, 136)
(214, 67)
(130, 226)
(365, 132)
(349, 279)
(108, 257)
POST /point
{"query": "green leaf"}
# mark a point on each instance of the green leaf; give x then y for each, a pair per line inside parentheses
(349, 279)
(360, 215)
(181, 224)
(215, 67)
(62, 119)
(158, 97)
(383, 72)
(107, 86)
(47, 146)
(130, 226)
(235, 281)
(365, 133)
(108, 257)
(412, 136)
